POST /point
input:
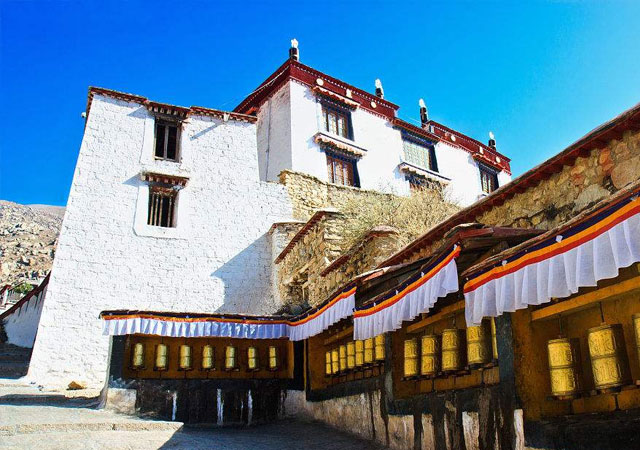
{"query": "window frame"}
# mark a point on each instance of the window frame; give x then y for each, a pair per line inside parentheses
(350, 164)
(155, 217)
(167, 124)
(329, 109)
(491, 176)
(423, 144)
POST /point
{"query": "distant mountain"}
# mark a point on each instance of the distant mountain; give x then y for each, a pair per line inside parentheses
(54, 210)
(28, 238)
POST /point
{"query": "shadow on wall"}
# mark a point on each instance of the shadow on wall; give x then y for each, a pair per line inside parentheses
(247, 280)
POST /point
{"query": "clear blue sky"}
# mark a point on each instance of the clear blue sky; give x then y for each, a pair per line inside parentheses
(540, 75)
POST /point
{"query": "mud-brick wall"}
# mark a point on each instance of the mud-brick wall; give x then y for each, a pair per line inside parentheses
(302, 265)
(575, 188)
(377, 245)
(308, 194)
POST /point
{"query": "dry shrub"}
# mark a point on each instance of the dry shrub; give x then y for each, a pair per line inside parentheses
(412, 216)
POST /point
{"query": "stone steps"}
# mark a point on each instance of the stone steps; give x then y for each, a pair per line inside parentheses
(137, 425)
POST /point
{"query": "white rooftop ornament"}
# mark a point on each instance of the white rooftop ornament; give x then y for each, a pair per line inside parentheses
(491, 135)
(294, 43)
(378, 83)
(421, 103)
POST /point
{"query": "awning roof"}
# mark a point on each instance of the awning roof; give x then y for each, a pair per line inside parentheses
(591, 247)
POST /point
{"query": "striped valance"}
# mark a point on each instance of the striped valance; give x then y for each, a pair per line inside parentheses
(416, 295)
(119, 323)
(316, 321)
(556, 264)
(191, 325)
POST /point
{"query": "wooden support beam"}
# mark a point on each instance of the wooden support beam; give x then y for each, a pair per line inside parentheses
(342, 334)
(442, 314)
(589, 299)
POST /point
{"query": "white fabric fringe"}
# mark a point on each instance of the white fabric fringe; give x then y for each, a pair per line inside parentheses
(341, 309)
(559, 276)
(410, 306)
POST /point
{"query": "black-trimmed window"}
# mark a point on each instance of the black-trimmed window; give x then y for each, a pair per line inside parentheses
(419, 152)
(167, 140)
(336, 121)
(488, 178)
(417, 183)
(162, 207)
(342, 170)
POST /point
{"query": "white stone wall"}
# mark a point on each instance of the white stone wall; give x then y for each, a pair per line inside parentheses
(293, 115)
(274, 134)
(21, 325)
(465, 187)
(217, 259)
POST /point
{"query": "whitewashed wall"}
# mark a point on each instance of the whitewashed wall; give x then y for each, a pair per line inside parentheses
(217, 259)
(296, 116)
(22, 324)
(274, 135)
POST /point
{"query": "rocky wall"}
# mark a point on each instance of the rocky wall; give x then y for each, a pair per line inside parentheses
(569, 192)
(308, 194)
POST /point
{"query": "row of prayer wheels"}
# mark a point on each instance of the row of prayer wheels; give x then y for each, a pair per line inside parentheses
(354, 355)
(432, 354)
(207, 360)
(608, 355)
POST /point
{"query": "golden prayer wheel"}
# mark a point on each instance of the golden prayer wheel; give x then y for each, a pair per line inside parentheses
(230, 357)
(273, 358)
(368, 351)
(208, 357)
(359, 353)
(452, 350)
(636, 330)
(327, 363)
(494, 339)
(479, 344)
(343, 357)
(430, 362)
(161, 357)
(252, 358)
(137, 358)
(379, 347)
(351, 355)
(608, 354)
(564, 367)
(335, 361)
(411, 357)
(185, 357)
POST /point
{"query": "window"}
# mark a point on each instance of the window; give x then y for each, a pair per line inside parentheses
(162, 205)
(336, 121)
(341, 170)
(417, 183)
(167, 140)
(419, 154)
(488, 179)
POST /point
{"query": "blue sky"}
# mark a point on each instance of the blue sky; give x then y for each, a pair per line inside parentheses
(539, 74)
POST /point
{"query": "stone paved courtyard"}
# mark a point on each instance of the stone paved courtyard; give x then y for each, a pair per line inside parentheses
(34, 418)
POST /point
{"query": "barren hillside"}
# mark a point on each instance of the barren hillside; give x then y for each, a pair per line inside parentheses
(28, 238)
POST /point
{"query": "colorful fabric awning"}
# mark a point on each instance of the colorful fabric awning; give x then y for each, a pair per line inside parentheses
(416, 295)
(316, 321)
(119, 323)
(191, 325)
(556, 264)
